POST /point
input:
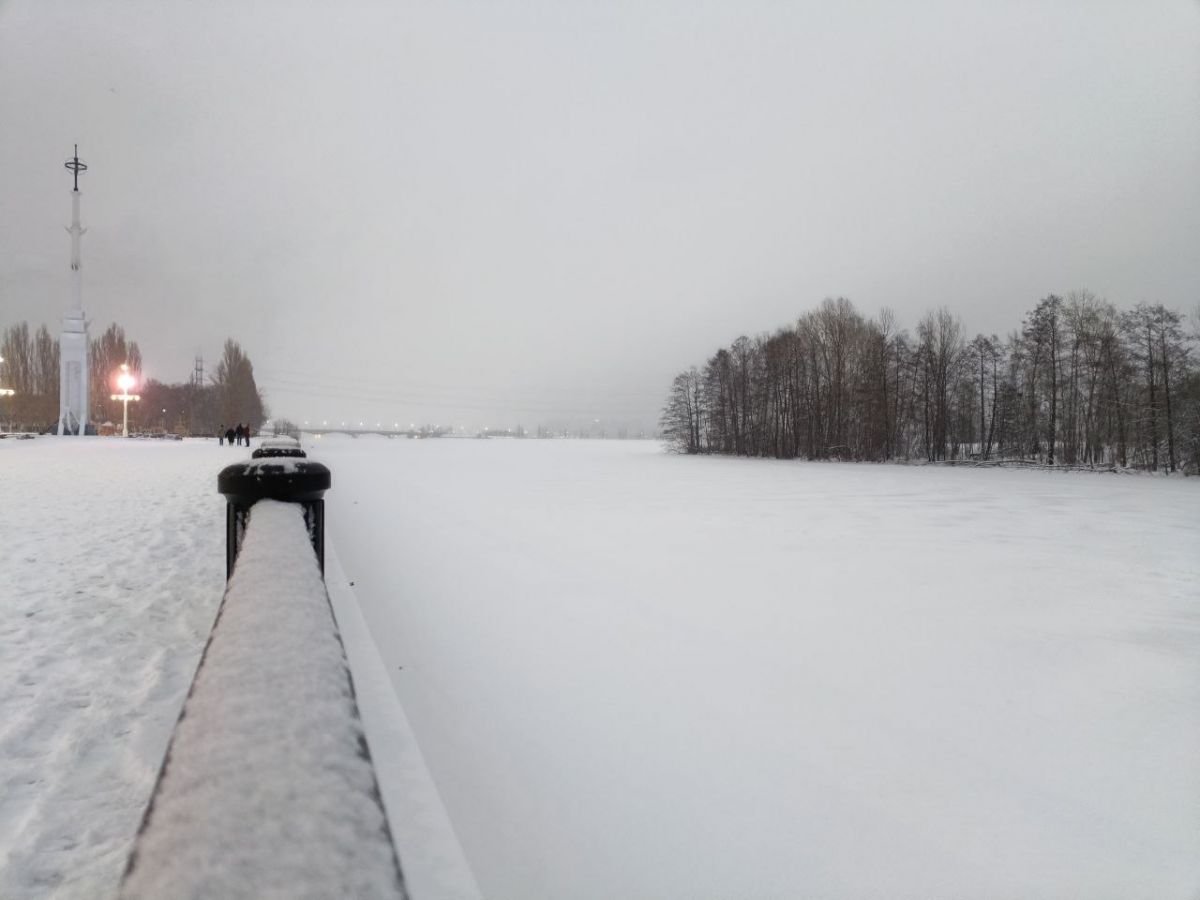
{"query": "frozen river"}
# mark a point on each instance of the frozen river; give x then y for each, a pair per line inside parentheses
(645, 676)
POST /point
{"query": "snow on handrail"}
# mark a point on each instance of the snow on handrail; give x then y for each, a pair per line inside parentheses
(268, 789)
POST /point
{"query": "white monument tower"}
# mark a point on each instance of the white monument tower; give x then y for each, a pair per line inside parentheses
(73, 342)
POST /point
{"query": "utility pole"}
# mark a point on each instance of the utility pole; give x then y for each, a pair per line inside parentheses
(5, 392)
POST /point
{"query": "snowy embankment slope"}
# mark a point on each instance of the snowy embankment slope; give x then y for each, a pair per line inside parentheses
(111, 568)
(431, 856)
(647, 676)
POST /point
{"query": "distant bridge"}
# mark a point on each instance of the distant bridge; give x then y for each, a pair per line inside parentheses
(385, 432)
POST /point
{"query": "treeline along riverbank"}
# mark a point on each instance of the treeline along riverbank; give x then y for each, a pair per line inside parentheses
(1080, 382)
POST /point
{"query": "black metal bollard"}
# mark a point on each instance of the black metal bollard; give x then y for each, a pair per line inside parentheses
(292, 479)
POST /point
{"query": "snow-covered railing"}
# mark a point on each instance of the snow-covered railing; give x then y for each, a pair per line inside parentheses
(268, 789)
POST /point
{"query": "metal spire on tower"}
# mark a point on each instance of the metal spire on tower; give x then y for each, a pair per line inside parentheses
(76, 166)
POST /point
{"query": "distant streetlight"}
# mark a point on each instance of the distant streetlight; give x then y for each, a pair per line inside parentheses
(125, 381)
(5, 392)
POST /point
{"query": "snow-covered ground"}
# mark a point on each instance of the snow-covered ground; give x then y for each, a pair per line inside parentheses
(111, 569)
(647, 676)
(112, 566)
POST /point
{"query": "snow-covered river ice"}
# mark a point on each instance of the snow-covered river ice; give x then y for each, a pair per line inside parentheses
(648, 676)
(640, 675)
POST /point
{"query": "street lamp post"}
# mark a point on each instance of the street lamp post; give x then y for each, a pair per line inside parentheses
(5, 392)
(125, 381)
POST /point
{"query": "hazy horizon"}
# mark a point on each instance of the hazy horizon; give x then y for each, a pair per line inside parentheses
(533, 212)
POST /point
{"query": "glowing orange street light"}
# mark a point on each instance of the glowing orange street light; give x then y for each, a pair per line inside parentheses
(125, 381)
(5, 392)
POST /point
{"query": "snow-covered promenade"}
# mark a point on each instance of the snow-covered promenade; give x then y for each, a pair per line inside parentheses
(111, 569)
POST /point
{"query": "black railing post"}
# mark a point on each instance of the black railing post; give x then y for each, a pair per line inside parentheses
(274, 473)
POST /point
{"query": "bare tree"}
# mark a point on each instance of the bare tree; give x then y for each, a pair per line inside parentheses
(240, 400)
(108, 353)
(680, 422)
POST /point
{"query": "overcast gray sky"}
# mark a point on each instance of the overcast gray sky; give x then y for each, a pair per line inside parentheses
(501, 211)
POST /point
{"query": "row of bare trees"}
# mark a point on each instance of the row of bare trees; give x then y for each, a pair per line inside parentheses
(30, 368)
(1080, 383)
